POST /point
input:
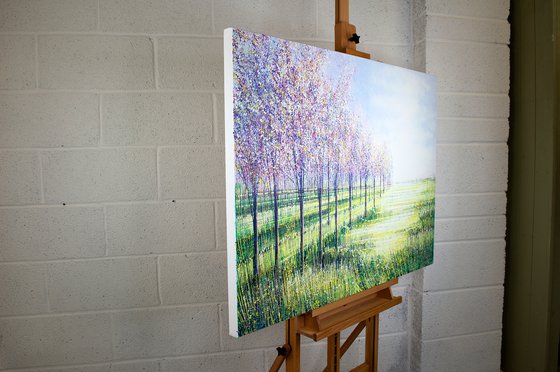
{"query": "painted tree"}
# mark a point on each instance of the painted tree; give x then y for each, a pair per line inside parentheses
(351, 158)
(300, 99)
(322, 98)
(366, 159)
(247, 131)
(275, 139)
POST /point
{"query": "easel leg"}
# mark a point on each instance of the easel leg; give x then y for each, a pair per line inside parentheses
(372, 342)
(333, 353)
(292, 339)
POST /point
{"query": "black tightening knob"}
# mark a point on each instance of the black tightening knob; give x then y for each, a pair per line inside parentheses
(282, 350)
(355, 38)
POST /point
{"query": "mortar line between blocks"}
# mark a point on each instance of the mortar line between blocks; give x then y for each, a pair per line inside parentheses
(470, 241)
(118, 361)
(122, 257)
(113, 343)
(155, 61)
(76, 148)
(158, 174)
(47, 269)
(220, 326)
(472, 18)
(468, 42)
(418, 42)
(212, 18)
(392, 334)
(467, 289)
(100, 114)
(101, 148)
(41, 178)
(158, 278)
(58, 314)
(472, 94)
(316, 17)
(488, 239)
(105, 231)
(473, 143)
(464, 335)
(489, 120)
(411, 32)
(216, 36)
(214, 118)
(108, 202)
(462, 218)
(481, 193)
(36, 61)
(216, 227)
(409, 325)
(98, 25)
(107, 91)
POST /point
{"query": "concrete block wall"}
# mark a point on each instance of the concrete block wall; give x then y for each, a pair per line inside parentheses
(112, 213)
(456, 304)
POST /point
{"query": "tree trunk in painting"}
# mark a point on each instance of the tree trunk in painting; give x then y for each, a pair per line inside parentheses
(335, 187)
(254, 211)
(360, 190)
(365, 197)
(320, 199)
(350, 199)
(301, 216)
(276, 230)
(329, 193)
(374, 191)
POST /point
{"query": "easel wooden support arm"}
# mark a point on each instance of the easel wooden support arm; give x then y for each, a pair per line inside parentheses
(345, 36)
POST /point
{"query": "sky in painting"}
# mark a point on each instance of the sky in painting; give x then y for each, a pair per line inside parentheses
(397, 107)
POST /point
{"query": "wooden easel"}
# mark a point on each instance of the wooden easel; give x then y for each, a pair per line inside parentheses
(362, 308)
(328, 321)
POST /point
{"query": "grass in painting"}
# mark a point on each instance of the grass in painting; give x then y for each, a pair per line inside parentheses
(384, 241)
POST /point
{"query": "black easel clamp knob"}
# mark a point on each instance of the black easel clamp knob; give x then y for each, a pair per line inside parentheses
(282, 350)
(355, 38)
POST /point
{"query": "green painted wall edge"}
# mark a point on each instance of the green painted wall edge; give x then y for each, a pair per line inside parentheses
(530, 337)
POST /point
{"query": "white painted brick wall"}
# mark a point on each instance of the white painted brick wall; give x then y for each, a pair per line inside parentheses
(191, 63)
(18, 62)
(148, 228)
(112, 212)
(96, 175)
(20, 178)
(52, 15)
(191, 172)
(55, 340)
(49, 120)
(95, 62)
(157, 119)
(193, 278)
(51, 233)
(90, 285)
(156, 16)
(165, 331)
(23, 289)
(456, 305)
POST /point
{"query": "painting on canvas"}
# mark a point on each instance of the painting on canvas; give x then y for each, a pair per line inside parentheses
(330, 163)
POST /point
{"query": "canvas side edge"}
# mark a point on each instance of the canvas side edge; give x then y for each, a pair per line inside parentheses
(230, 181)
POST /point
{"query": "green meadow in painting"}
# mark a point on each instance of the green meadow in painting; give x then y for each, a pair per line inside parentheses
(332, 176)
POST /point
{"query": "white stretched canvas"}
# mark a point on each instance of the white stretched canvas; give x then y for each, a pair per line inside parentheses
(330, 174)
